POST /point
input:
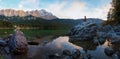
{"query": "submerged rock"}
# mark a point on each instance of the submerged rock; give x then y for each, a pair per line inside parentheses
(76, 54)
(89, 56)
(66, 52)
(109, 51)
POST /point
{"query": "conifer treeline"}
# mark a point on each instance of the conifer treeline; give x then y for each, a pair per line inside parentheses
(114, 13)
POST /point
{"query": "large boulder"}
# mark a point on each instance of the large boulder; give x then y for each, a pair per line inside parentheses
(18, 42)
(85, 31)
(20, 39)
(82, 27)
(95, 32)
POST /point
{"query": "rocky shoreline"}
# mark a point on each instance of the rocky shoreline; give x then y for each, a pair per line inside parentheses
(97, 33)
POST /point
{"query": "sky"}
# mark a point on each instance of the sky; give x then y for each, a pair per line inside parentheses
(72, 9)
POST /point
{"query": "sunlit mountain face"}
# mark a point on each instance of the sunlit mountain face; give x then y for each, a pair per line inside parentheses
(21, 13)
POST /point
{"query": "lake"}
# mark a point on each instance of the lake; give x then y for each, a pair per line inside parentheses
(58, 45)
(32, 34)
(54, 42)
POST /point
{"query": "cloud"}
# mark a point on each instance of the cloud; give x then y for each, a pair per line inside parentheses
(20, 6)
(99, 12)
(67, 9)
(102, 11)
(28, 4)
(77, 10)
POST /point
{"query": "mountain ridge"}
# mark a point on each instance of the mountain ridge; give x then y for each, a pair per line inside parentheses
(21, 13)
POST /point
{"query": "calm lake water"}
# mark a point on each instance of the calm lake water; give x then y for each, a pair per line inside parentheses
(60, 44)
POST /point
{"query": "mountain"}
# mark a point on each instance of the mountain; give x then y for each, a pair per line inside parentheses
(40, 23)
(36, 13)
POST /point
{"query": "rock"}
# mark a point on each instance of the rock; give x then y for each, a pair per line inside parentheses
(109, 51)
(118, 54)
(111, 34)
(73, 39)
(95, 41)
(66, 52)
(3, 43)
(114, 35)
(33, 43)
(102, 41)
(115, 56)
(20, 39)
(99, 41)
(101, 35)
(76, 54)
(83, 27)
(115, 40)
(66, 57)
(118, 33)
(89, 56)
(107, 28)
(81, 56)
(87, 31)
(89, 27)
(56, 56)
(117, 28)
(44, 43)
(18, 43)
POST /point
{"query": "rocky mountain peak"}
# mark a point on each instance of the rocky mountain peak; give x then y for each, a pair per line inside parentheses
(21, 13)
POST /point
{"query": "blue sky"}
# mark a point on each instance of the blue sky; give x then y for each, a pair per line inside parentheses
(63, 8)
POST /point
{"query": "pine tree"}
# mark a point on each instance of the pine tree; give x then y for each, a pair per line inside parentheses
(116, 11)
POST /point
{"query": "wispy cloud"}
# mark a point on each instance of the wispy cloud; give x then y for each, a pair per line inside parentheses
(67, 9)
(28, 4)
(77, 10)
(102, 11)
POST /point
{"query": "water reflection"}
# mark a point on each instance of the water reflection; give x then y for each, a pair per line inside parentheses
(62, 43)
